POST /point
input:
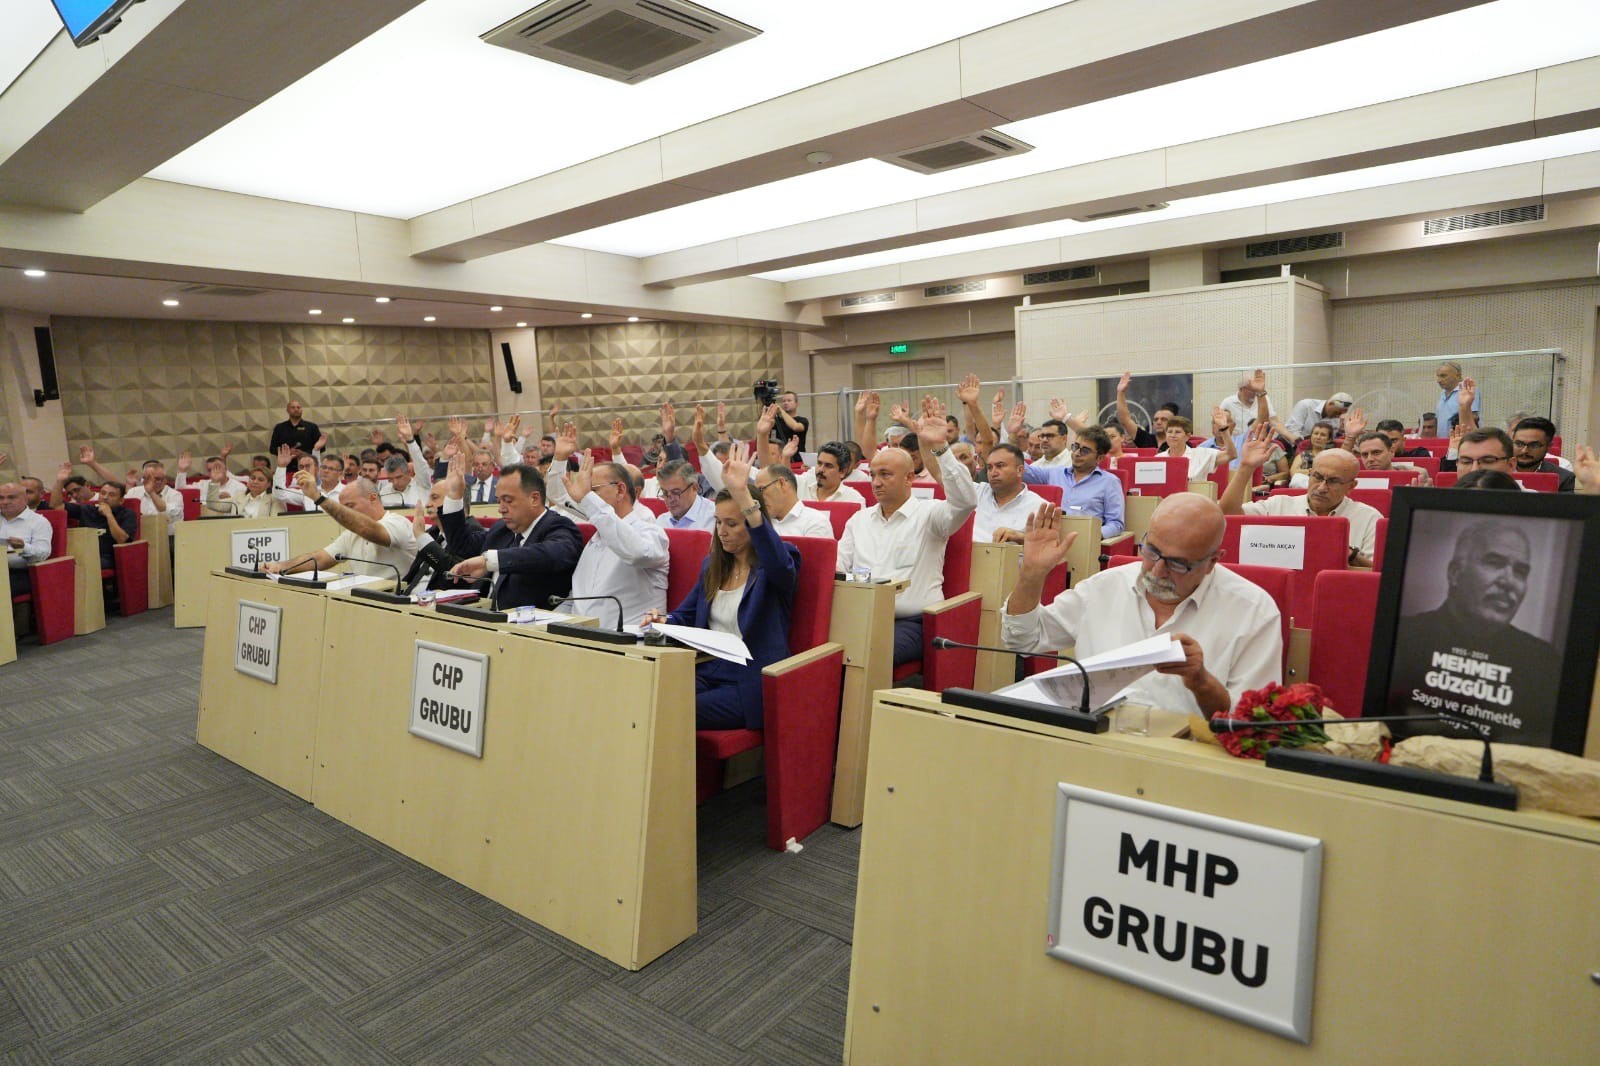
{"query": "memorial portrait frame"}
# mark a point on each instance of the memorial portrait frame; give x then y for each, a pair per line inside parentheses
(1576, 728)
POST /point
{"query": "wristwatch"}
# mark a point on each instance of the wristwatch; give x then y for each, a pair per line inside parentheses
(940, 451)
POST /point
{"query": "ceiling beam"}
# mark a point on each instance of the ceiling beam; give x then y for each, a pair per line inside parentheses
(1064, 57)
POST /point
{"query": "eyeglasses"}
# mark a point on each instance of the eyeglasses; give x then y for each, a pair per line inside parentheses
(1176, 566)
(598, 485)
(1466, 462)
(1530, 445)
(1079, 449)
(1323, 479)
(674, 494)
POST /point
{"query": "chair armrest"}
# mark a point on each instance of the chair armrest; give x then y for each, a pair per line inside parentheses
(800, 659)
(1120, 538)
(951, 604)
(800, 699)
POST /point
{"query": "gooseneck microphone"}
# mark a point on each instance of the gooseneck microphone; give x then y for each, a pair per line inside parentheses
(374, 562)
(557, 601)
(1083, 704)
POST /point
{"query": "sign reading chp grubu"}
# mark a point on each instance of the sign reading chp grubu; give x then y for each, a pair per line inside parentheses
(448, 691)
(255, 649)
(255, 548)
(1214, 912)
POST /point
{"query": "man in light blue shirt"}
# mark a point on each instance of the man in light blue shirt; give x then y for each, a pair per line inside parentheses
(1459, 400)
(1085, 488)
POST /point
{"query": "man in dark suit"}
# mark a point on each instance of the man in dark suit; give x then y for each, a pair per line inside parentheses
(481, 482)
(526, 557)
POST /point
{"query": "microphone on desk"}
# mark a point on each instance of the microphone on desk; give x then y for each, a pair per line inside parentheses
(374, 562)
(1083, 704)
(557, 601)
(587, 632)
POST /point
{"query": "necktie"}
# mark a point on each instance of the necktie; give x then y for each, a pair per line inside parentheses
(479, 489)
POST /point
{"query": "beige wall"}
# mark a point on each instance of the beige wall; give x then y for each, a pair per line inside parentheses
(141, 389)
(31, 436)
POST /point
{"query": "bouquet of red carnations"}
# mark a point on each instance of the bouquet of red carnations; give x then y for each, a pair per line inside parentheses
(1283, 703)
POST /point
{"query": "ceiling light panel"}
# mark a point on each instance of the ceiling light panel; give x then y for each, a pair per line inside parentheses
(1370, 178)
(370, 102)
(1489, 41)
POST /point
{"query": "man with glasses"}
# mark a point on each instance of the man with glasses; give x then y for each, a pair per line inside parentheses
(1530, 444)
(778, 490)
(678, 484)
(1230, 629)
(1333, 475)
(1053, 439)
(627, 556)
(1086, 489)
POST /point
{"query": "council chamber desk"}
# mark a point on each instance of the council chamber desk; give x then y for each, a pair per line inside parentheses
(1445, 932)
(205, 544)
(579, 814)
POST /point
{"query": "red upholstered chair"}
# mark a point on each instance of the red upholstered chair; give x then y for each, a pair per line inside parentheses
(487, 521)
(52, 592)
(1430, 463)
(1555, 445)
(686, 550)
(955, 616)
(1437, 445)
(800, 701)
(654, 504)
(587, 530)
(1174, 475)
(1055, 583)
(1378, 538)
(1273, 580)
(1368, 479)
(632, 453)
(1327, 547)
(1345, 604)
(1538, 481)
(191, 504)
(693, 455)
(130, 570)
(1376, 498)
(1053, 493)
(838, 512)
(601, 453)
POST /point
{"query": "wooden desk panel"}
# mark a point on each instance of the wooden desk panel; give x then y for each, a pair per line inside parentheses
(863, 621)
(203, 546)
(88, 595)
(1448, 933)
(994, 575)
(8, 623)
(153, 528)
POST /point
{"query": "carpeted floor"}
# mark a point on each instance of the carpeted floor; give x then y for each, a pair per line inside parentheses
(159, 904)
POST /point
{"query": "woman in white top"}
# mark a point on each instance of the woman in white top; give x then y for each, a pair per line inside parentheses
(1202, 461)
(257, 501)
(1321, 439)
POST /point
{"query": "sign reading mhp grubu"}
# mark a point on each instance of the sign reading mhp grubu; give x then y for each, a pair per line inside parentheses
(1214, 912)
(448, 691)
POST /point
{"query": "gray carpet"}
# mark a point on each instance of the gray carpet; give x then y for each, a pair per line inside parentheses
(159, 904)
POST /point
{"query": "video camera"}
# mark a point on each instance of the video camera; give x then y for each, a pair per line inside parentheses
(767, 392)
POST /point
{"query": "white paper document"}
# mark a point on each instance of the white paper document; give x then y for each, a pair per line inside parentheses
(711, 641)
(350, 581)
(1110, 673)
(535, 616)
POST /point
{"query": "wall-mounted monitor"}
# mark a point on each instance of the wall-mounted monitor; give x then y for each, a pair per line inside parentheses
(87, 19)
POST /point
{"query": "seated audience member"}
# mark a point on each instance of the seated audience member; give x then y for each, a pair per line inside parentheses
(1223, 439)
(1333, 475)
(26, 533)
(952, 429)
(352, 468)
(528, 556)
(1085, 488)
(967, 456)
(1307, 413)
(677, 483)
(1250, 402)
(371, 469)
(481, 482)
(375, 542)
(401, 489)
(330, 475)
(1428, 425)
(1137, 435)
(424, 573)
(1489, 479)
(903, 537)
(1004, 502)
(1202, 461)
(1055, 440)
(1392, 429)
(34, 493)
(1118, 440)
(1478, 449)
(155, 496)
(1230, 629)
(256, 501)
(218, 484)
(746, 588)
(1530, 444)
(627, 556)
(824, 482)
(72, 489)
(1376, 452)
(116, 522)
(1321, 439)
(780, 499)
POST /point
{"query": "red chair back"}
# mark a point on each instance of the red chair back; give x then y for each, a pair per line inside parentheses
(654, 504)
(1143, 452)
(1555, 445)
(58, 531)
(693, 455)
(1375, 498)
(632, 453)
(601, 453)
(191, 504)
(1537, 480)
(1327, 547)
(487, 521)
(586, 529)
(1345, 605)
(1437, 445)
(1159, 475)
(1053, 493)
(813, 592)
(838, 512)
(1380, 535)
(958, 560)
(1430, 463)
(686, 550)
(1384, 479)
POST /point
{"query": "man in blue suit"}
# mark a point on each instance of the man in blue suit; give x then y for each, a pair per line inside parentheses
(481, 484)
(526, 557)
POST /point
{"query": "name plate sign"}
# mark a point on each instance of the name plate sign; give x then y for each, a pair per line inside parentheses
(448, 690)
(255, 649)
(255, 548)
(1218, 913)
(1263, 545)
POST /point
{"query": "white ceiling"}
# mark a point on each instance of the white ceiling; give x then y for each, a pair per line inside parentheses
(28, 26)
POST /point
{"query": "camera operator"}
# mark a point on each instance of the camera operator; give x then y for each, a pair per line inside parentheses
(790, 423)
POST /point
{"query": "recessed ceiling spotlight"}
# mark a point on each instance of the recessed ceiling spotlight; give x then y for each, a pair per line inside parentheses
(33, 273)
(522, 325)
(348, 321)
(586, 314)
(429, 318)
(380, 299)
(169, 303)
(633, 318)
(818, 159)
(497, 307)
(315, 311)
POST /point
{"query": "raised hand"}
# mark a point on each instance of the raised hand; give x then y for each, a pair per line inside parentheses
(419, 521)
(452, 450)
(1058, 410)
(457, 426)
(1019, 415)
(1456, 433)
(968, 391)
(1258, 381)
(402, 427)
(1219, 421)
(722, 417)
(1124, 381)
(932, 429)
(63, 472)
(5, 457)
(768, 418)
(185, 461)
(577, 481)
(669, 421)
(85, 455)
(489, 425)
(1257, 446)
(617, 431)
(512, 431)
(699, 419)
(227, 450)
(997, 407)
(1355, 423)
(791, 447)
(900, 414)
(1045, 541)
(736, 468)
(306, 481)
(1586, 468)
(874, 404)
(376, 436)
(566, 443)
(1469, 390)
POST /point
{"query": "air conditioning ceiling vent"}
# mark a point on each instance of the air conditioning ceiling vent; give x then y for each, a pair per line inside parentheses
(1055, 277)
(1118, 212)
(959, 288)
(862, 301)
(234, 291)
(958, 152)
(624, 40)
(1314, 242)
(1504, 216)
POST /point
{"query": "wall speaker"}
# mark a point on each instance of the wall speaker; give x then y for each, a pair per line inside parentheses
(505, 353)
(47, 367)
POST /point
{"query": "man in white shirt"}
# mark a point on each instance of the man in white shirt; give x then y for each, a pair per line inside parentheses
(330, 473)
(26, 533)
(904, 536)
(155, 496)
(1250, 402)
(1333, 475)
(1054, 439)
(374, 541)
(1230, 629)
(824, 482)
(791, 518)
(1005, 503)
(686, 508)
(1308, 413)
(401, 489)
(627, 556)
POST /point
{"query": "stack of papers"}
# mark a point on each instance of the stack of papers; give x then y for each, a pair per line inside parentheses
(1110, 674)
(710, 641)
(534, 616)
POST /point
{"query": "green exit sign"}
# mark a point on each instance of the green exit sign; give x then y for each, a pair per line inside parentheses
(900, 349)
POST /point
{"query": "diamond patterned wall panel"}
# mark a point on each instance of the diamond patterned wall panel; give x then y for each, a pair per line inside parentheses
(647, 363)
(142, 389)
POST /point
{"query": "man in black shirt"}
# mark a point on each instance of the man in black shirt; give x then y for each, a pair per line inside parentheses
(789, 423)
(1136, 436)
(116, 522)
(1395, 432)
(295, 431)
(1530, 443)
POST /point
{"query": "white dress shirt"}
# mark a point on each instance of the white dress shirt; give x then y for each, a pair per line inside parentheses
(1202, 462)
(421, 470)
(33, 529)
(241, 505)
(802, 521)
(1236, 624)
(626, 558)
(1061, 458)
(171, 504)
(810, 491)
(1014, 515)
(399, 552)
(413, 494)
(702, 514)
(909, 545)
(1244, 417)
(1363, 518)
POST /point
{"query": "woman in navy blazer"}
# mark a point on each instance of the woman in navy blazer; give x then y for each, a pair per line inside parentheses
(751, 567)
